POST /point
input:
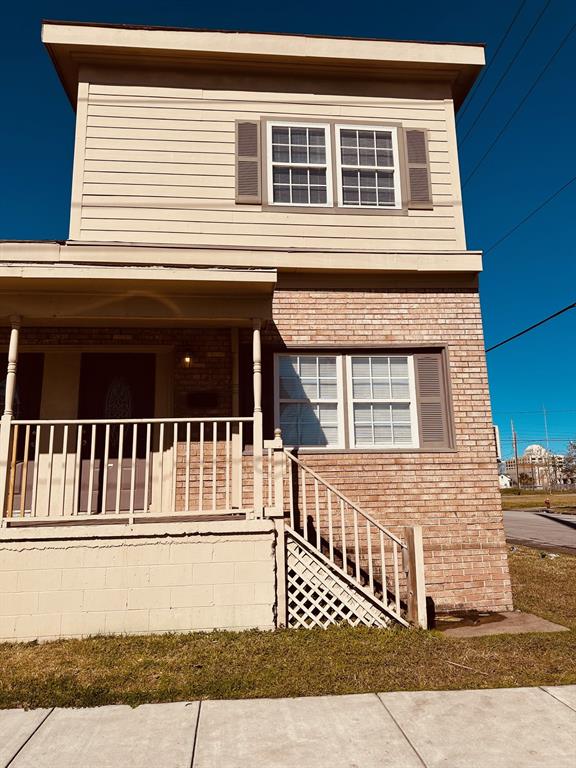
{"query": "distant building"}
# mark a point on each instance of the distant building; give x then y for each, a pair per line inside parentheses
(538, 468)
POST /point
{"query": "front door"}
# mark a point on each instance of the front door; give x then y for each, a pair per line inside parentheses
(114, 386)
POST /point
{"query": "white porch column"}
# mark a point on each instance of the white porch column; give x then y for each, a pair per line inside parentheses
(258, 439)
(6, 421)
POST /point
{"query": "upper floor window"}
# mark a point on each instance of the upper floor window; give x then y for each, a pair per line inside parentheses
(299, 170)
(325, 164)
(367, 162)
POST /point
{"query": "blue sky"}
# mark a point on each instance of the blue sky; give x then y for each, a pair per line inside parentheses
(530, 275)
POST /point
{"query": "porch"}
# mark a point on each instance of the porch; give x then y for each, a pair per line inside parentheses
(126, 431)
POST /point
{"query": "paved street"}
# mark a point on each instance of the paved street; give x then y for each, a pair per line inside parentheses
(537, 529)
(523, 728)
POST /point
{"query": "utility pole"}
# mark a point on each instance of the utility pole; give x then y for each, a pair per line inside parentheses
(515, 444)
(546, 428)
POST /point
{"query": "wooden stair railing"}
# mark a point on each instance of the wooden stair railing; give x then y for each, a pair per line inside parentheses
(358, 546)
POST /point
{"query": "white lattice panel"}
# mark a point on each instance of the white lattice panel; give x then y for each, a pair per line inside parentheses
(318, 596)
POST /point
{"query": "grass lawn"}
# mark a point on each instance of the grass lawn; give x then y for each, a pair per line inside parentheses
(563, 502)
(135, 670)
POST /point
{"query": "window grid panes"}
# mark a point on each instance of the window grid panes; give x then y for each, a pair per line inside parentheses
(308, 400)
(367, 167)
(381, 401)
(299, 165)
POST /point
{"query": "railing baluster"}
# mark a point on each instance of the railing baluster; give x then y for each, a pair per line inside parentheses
(370, 564)
(187, 470)
(50, 466)
(227, 467)
(133, 467)
(119, 469)
(105, 467)
(24, 476)
(269, 473)
(291, 491)
(356, 544)
(241, 469)
(201, 470)
(91, 469)
(304, 504)
(77, 471)
(330, 525)
(396, 577)
(317, 505)
(214, 463)
(64, 467)
(383, 568)
(343, 526)
(147, 466)
(12, 477)
(174, 464)
(161, 475)
(36, 470)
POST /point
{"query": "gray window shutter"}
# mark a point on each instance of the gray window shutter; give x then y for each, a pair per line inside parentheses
(418, 168)
(248, 184)
(432, 400)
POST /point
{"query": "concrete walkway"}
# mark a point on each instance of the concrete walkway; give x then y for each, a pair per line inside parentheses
(540, 529)
(519, 727)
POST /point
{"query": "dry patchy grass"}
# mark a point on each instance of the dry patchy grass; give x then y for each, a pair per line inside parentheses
(559, 502)
(134, 670)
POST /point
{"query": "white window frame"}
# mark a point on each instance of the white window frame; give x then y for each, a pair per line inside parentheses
(415, 443)
(396, 169)
(340, 405)
(271, 164)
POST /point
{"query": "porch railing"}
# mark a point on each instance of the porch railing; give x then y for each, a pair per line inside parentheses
(72, 468)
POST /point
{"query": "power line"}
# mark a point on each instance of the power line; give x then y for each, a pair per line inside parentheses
(516, 413)
(506, 71)
(531, 327)
(521, 104)
(492, 60)
(529, 216)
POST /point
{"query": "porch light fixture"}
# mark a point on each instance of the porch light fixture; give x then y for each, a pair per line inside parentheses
(186, 360)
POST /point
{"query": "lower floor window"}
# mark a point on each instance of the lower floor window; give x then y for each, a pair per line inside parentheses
(356, 400)
(308, 400)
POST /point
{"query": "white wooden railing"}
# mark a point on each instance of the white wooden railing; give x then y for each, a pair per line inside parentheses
(70, 468)
(350, 538)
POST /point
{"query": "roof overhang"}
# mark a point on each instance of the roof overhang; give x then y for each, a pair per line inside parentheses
(252, 265)
(102, 293)
(73, 45)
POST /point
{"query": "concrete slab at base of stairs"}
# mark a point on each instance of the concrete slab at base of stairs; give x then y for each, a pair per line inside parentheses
(522, 727)
(16, 727)
(154, 735)
(315, 732)
(507, 623)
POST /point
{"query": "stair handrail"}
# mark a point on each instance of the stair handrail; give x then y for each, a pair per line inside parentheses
(345, 498)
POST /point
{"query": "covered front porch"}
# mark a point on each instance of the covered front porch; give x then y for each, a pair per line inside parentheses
(132, 398)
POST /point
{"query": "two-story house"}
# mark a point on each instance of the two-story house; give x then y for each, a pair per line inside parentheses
(253, 378)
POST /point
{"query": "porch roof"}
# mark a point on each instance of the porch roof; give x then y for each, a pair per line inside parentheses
(101, 293)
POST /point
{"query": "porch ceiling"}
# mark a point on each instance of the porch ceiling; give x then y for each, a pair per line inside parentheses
(80, 293)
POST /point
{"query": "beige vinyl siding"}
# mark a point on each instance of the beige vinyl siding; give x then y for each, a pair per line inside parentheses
(158, 166)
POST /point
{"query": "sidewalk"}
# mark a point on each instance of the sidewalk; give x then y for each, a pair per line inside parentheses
(455, 729)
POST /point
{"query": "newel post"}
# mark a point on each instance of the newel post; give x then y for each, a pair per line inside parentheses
(258, 439)
(6, 421)
(415, 577)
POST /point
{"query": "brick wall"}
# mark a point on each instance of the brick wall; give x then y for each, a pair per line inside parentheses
(453, 495)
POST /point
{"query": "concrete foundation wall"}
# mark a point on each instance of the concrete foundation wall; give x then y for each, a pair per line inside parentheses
(64, 582)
